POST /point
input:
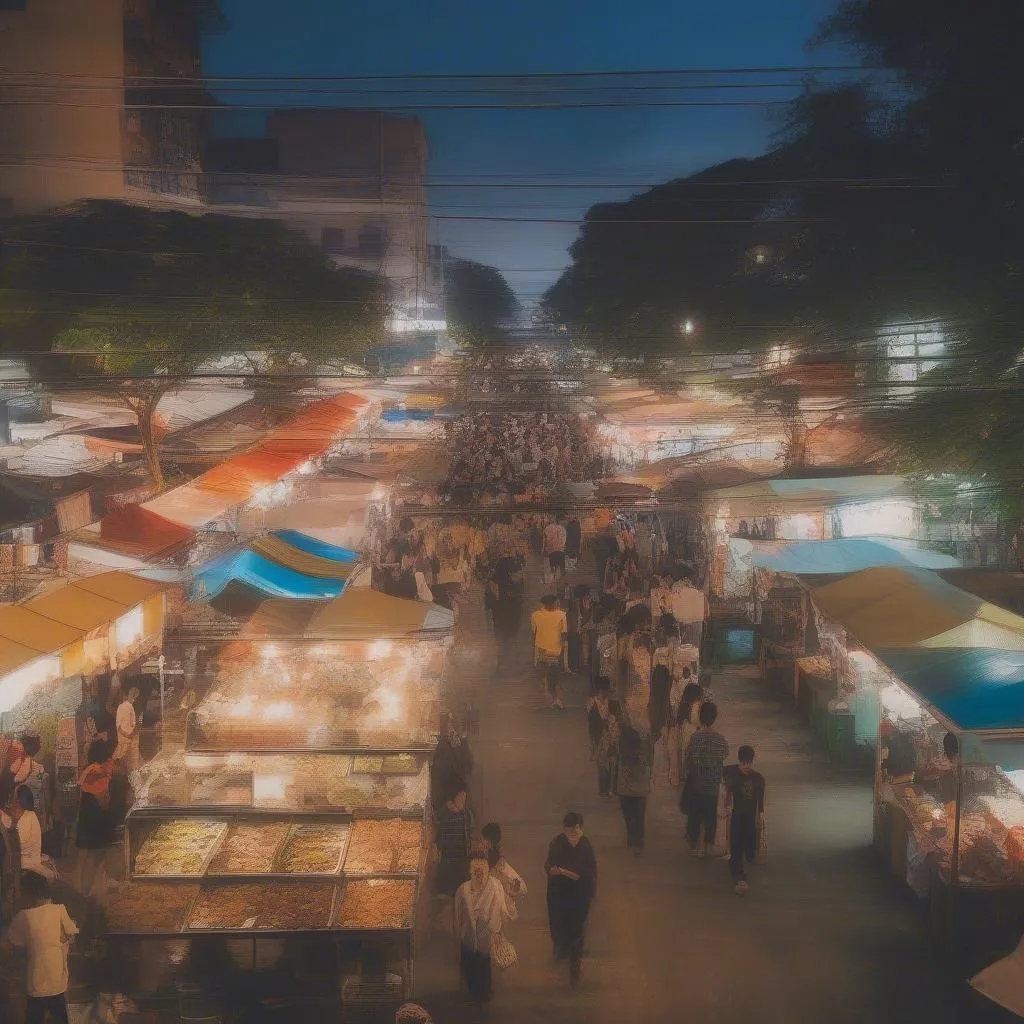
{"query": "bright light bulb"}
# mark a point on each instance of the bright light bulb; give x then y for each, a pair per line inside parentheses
(689, 327)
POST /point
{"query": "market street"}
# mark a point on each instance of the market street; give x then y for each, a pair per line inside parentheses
(822, 935)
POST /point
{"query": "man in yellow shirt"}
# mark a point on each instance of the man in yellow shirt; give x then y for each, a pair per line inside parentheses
(549, 632)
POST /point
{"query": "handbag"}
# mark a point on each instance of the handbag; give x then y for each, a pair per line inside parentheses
(503, 953)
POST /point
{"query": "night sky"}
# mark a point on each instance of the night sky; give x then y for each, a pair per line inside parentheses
(629, 148)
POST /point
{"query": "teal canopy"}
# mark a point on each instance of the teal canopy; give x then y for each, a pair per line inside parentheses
(976, 689)
(836, 557)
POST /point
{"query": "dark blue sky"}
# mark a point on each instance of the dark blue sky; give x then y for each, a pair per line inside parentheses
(628, 147)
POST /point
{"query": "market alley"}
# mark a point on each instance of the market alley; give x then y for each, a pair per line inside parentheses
(822, 935)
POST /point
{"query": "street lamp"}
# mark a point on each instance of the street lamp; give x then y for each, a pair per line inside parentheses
(688, 327)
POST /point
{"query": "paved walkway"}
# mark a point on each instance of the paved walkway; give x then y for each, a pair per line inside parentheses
(822, 935)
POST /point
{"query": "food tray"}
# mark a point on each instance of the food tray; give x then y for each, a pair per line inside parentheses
(328, 833)
(378, 847)
(148, 907)
(376, 904)
(185, 845)
(249, 848)
(219, 788)
(267, 906)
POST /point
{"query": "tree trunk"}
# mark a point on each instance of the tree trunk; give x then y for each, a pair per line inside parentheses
(145, 412)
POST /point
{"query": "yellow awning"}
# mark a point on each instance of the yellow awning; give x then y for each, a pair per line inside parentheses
(900, 607)
(76, 608)
(371, 613)
(28, 628)
(290, 557)
(424, 401)
(124, 588)
(14, 655)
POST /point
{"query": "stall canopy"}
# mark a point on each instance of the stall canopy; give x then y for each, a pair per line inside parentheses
(263, 575)
(976, 689)
(407, 415)
(34, 630)
(837, 557)
(313, 546)
(321, 514)
(908, 607)
(95, 601)
(309, 435)
(278, 618)
(142, 532)
(276, 549)
(806, 493)
(369, 612)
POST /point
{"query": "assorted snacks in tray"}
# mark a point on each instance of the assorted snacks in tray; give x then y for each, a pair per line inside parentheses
(384, 847)
(372, 903)
(179, 847)
(148, 906)
(249, 848)
(314, 849)
(270, 906)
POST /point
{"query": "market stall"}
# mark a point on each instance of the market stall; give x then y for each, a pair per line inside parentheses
(299, 806)
(949, 803)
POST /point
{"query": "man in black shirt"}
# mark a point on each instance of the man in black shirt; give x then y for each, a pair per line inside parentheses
(745, 789)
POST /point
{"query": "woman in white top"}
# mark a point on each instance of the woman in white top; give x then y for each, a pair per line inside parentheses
(480, 910)
(30, 835)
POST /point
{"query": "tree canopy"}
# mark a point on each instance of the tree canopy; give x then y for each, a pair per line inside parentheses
(145, 298)
(479, 304)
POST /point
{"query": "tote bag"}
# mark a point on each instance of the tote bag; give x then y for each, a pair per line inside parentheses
(503, 953)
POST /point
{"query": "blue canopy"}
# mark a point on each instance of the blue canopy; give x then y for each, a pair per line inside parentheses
(312, 546)
(975, 688)
(406, 415)
(834, 557)
(262, 575)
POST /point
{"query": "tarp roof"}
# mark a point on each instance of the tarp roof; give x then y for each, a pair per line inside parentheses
(278, 550)
(263, 575)
(319, 514)
(314, 546)
(976, 689)
(124, 588)
(29, 628)
(809, 493)
(827, 557)
(362, 612)
(280, 618)
(1005, 589)
(143, 532)
(76, 608)
(13, 655)
(905, 607)
(311, 433)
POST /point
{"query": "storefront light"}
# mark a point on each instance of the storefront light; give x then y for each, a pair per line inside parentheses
(129, 629)
(16, 686)
(380, 649)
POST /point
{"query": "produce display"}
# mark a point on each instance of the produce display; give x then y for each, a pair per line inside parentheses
(400, 764)
(249, 848)
(384, 847)
(179, 847)
(368, 764)
(148, 906)
(371, 903)
(221, 788)
(315, 849)
(285, 906)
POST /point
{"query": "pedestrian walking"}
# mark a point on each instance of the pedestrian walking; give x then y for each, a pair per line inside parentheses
(126, 756)
(554, 548)
(603, 725)
(573, 541)
(510, 880)
(686, 723)
(452, 832)
(452, 764)
(94, 834)
(505, 597)
(571, 868)
(479, 915)
(44, 930)
(550, 628)
(745, 800)
(636, 756)
(703, 763)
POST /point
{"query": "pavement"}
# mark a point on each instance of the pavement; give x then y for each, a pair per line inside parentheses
(822, 935)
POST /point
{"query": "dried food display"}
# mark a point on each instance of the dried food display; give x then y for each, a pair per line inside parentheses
(367, 764)
(375, 847)
(372, 903)
(221, 788)
(179, 847)
(148, 906)
(285, 906)
(249, 848)
(315, 849)
(400, 764)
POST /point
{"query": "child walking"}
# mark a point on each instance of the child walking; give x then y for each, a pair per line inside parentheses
(745, 800)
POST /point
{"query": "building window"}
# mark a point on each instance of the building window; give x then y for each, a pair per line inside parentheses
(332, 240)
(371, 243)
